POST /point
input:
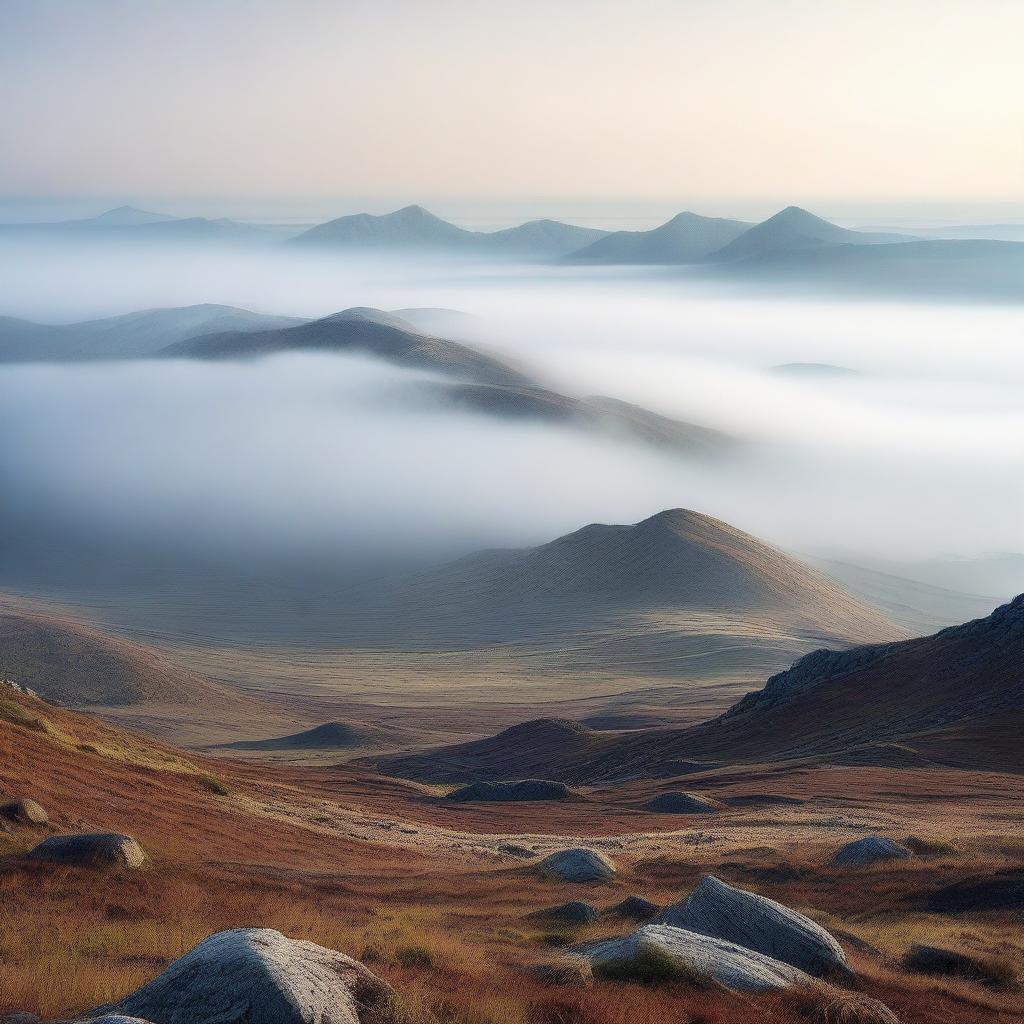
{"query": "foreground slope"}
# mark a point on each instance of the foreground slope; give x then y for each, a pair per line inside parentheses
(686, 238)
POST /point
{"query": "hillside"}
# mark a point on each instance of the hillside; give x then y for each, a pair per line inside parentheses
(543, 237)
(66, 661)
(125, 216)
(686, 238)
(130, 336)
(369, 331)
(955, 698)
(791, 229)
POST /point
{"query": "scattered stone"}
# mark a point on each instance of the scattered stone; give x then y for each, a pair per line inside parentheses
(25, 812)
(512, 850)
(258, 976)
(869, 850)
(91, 849)
(924, 959)
(636, 908)
(663, 953)
(573, 970)
(682, 803)
(759, 924)
(577, 864)
(525, 789)
(574, 912)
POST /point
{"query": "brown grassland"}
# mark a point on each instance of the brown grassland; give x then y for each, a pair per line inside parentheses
(387, 872)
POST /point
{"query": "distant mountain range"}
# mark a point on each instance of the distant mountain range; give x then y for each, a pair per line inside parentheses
(415, 227)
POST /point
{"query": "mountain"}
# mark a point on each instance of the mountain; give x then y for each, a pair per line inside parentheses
(410, 226)
(124, 216)
(548, 237)
(131, 336)
(360, 329)
(416, 228)
(791, 229)
(686, 238)
(955, 698)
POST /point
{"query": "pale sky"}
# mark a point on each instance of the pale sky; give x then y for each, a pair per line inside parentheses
(477, 98)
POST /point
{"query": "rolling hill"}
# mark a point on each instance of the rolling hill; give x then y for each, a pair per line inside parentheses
(686, 238)
(795, 229)
(369, 331)
(130, 336)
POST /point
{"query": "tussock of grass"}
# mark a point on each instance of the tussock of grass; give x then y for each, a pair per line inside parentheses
(650, 966)
(212, 785)
(17, 715)
(825, 1005)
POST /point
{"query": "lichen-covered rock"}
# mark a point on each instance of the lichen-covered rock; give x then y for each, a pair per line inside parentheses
(870, 850)
(91, 849)
(635, 908)
(574, 912)
(24, 811)
(657, 950)
(682, 803)
(258, 976)
(759, 924)
(577, 864)
(524, 789)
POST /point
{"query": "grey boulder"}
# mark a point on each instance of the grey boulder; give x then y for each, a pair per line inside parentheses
(258, 976)
(635, 907)
(577, 864)
(760, 924)
(91, 849)
(25, 812)
(695, 956)
(869, 850)
(574, 912)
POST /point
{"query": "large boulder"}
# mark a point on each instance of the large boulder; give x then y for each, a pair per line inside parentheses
(577, 864)
(91, 849)
(662, 953)
(24, 811)
(682, 803)
(574, 912)
(759, 924)
(869, 850)
(257, 976)
(524, 789)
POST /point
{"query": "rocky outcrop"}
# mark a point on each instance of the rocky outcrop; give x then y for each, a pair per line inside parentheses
(869, 850)
(91, 849)
(661, 952)
(524, 789)
(636, 908)
(682, 803)
(574, 912)
(577, 864)
(24, 811)
(759, 924)
(258, 976)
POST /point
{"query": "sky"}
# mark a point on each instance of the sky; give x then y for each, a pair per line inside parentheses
(720, 102)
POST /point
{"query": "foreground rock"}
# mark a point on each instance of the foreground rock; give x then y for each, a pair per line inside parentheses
(869, 850)
(682, 803)
(257, 976)
(25, 812)
(91, 849)
(574, 912)
(525, 789)
(663, 953)
(577, 865)
(636, 908)
(759, 924)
